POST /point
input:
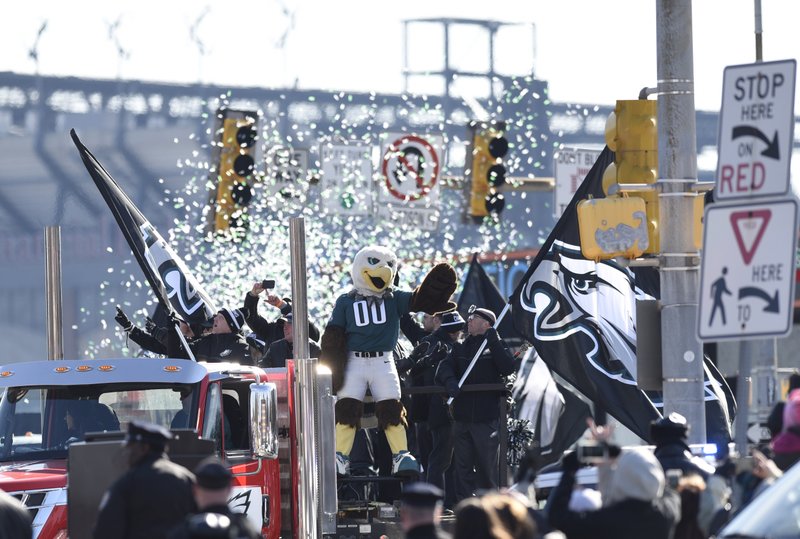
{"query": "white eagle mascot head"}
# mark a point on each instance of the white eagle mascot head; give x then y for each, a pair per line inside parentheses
(374, 270)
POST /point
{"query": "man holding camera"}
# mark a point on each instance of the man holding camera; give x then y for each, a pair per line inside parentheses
(476, 414)
(270, 332)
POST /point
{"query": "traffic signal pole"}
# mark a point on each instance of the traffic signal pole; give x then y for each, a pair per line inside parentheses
(682, 351)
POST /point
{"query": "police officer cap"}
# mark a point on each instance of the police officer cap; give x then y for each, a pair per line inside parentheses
(452, 321)
(673, 425)
(486, 314)
(211, 474)
(147, 433)
(421, 494)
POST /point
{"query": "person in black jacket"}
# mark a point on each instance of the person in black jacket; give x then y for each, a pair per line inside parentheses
(283, 349)
(153, 496)
(224, 342)
(214, 519)
(432, 410)
(421, 511)
(637, 504)
(670, 436)
(159, 340)
(269, 332)
(476, 414)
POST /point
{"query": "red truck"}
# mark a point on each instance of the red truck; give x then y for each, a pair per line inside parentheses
(274, 428)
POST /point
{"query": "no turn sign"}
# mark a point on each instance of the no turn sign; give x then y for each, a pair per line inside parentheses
(410, 168)
(756, 130)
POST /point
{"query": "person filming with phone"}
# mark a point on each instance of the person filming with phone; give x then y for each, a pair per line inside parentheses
(266, 331)
(637, 502)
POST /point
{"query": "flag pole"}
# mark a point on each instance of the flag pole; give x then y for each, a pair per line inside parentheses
(185, 343)
(479, 352)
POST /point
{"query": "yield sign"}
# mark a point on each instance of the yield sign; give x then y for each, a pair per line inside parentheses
(747, 294)
(749, 227)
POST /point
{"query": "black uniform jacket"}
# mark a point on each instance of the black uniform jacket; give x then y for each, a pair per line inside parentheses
(147, 501)
(494, 363)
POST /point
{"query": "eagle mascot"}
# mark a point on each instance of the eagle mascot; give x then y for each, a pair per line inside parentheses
(358, 343)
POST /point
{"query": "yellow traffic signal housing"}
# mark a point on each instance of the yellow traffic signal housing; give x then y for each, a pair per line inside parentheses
(487, 172)
(699, 207)
(632, 133)
(236, 166)
(652, 209)
(612, 227)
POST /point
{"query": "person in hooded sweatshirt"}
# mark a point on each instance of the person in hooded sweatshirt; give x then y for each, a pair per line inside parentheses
(636, 505)
(786, 445)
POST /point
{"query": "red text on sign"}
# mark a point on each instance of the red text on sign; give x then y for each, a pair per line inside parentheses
(743, 178)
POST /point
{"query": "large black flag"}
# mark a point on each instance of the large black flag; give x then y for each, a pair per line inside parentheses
(172, 283)
(479, 290)
(580, 315)
(557, 416)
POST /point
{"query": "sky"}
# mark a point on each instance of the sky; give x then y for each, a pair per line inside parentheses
(589, 51)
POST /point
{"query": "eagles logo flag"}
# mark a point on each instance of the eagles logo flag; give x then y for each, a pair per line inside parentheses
(170, 280)
(580, 315)
(557, 417)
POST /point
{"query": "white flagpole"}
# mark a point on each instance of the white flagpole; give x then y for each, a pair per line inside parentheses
(183, 340)
(479, 352)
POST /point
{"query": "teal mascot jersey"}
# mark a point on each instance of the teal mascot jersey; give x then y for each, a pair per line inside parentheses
(358, 343)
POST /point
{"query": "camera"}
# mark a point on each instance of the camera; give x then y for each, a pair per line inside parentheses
(673, 477)
(592, 453)
(268, 284)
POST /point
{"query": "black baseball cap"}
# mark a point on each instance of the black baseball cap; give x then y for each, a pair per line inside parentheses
(421, 494)
(211, 474)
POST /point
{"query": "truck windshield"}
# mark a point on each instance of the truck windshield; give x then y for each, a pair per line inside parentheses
(40, 423)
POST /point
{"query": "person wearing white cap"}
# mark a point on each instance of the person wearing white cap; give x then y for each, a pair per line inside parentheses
(476, 414)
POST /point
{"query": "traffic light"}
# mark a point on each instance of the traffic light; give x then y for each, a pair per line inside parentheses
(632, 133)
(235, 169)
(487, 173)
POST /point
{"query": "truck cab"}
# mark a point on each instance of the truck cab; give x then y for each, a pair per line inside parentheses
(48, 406)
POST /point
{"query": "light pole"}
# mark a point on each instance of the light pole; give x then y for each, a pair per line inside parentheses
(202, 51)
(681, 350)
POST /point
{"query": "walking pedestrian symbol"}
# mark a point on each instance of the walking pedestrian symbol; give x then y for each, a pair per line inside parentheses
(718, 288)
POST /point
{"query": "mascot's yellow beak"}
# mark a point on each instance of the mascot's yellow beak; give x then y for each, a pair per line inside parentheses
(378, 279)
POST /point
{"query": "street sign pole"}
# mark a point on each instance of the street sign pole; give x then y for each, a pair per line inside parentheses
(681, 350)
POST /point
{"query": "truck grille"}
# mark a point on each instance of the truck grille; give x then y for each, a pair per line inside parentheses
(40, 503)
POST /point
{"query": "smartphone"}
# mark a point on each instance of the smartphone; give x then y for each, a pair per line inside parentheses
(592, 453)
(744, 464)
(268, 284)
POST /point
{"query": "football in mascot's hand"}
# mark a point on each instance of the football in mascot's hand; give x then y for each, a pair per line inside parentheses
(374, 269)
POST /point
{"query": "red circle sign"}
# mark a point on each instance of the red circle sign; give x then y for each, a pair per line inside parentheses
(410, 168)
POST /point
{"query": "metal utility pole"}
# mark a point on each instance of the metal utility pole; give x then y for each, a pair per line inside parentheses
(757, 357)
(681, 350)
